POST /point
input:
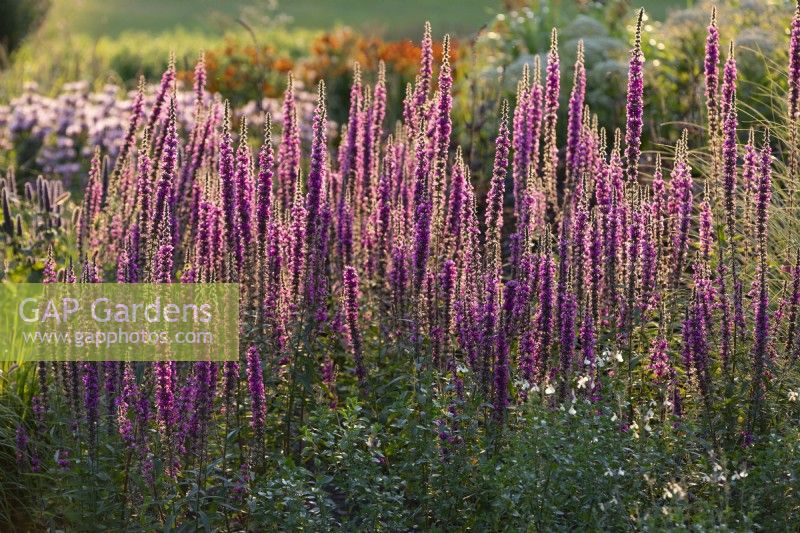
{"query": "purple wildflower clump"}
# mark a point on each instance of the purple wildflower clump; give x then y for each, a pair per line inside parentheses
(419, 286)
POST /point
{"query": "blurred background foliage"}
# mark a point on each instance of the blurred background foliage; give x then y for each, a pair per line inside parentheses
(251, 44)
(17, 20)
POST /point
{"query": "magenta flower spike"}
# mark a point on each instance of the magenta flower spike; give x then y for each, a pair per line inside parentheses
(520, 142)
(244, 194)
(289, 149)
(706, 224)
(551, 92)
(227, 180)
(164, 90)
(444, 124)
(659, 359)
(266, 170)
(316, 171)
(495, 197)
(423, 86)
(574, 120)
(535, 113)
(379, 96)
(681, 206)
(635, 104)
(137, 112)
(349, 140)
(422, 211)
(164, 193)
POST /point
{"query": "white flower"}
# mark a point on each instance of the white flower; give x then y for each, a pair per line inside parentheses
(549, 390)
(793, 395)
(618, 357)
(674, 490)
(582, 381)
(572, 410)
(739, 475)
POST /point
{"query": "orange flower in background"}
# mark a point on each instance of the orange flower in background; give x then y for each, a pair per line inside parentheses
(245, 71)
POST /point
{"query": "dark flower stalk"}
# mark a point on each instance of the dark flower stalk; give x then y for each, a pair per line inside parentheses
(125, 401)
(567, 316)
(91, 401)
(706, 223)
(729, 152)
(447, 287)
(588, 352)
(763, 193)
(794, 66)
(501, 370)
(596, 264)
(794, 311)
(711, 72)
(545, 318)
(200, 77)
(794, 91)
(258, 401)
(329, 380)
(761, 328)
(351, 295)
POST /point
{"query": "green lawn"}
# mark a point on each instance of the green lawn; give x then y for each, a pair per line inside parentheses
(392, 18)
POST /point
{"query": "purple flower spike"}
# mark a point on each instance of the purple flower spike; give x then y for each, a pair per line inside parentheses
(794, 66)
(351, 295)
(729, 152)
(494, 199)
(711, 70)
(258, 401)
(635, 104)
(574, 121)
